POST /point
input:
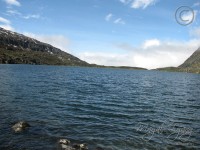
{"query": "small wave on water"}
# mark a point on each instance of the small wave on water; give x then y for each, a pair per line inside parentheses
(110, 108)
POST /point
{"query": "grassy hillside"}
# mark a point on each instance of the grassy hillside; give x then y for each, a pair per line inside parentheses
(35, 57)
(16, 48)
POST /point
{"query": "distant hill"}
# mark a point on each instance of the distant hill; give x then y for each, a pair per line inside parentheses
(19, 49)
(191, 65)
(16, 48)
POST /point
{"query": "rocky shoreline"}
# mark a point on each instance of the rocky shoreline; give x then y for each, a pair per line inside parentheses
(62, 144)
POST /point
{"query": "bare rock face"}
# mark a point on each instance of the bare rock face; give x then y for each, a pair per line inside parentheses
(20, 126)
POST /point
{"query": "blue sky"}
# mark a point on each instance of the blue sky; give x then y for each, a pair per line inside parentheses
(142, 33)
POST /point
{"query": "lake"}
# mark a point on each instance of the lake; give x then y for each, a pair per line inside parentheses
(115, 109)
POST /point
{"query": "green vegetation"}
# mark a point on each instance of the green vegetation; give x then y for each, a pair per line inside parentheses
(42, 58)
(35, 57)
(118, 67)
(19, 49)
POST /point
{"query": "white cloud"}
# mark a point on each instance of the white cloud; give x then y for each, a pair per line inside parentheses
(116, 21)
(6, 24)
(58, 41)
(142, 3)
(125, 1)
(157, 54)
(151, 43)
(196, 4)
(108, 17)
(5, 21)
(195, 32)
(13, 2)
(110, 59)
(7, 27)
(119, 21)
(31, 16)
(13, 12)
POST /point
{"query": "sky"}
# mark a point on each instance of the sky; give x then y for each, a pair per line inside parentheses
(137, 33)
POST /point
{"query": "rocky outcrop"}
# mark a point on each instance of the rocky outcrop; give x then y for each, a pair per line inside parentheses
(65, 144)
(80, 146)
(19, 49)
(20, 126)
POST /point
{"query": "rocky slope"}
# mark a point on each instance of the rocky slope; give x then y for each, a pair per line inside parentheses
(19, 49)
(191, 65)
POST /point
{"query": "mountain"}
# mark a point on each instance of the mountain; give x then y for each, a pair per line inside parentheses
(19, 49)
(191, 65)
(16, 48)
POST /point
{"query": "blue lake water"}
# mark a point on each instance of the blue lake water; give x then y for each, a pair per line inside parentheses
(115, 109)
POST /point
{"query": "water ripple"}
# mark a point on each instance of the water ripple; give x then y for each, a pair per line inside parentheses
(111, 108)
